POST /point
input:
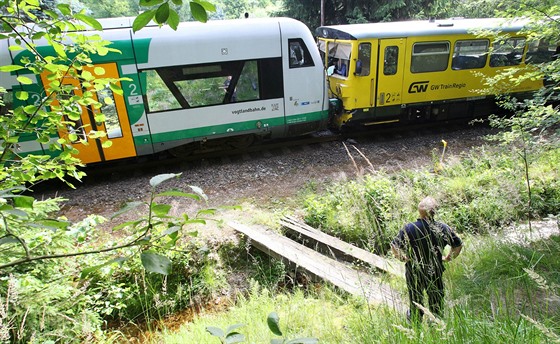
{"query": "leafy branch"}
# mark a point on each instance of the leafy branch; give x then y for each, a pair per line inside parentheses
(147, 232)
(231, 335)
(162, 12)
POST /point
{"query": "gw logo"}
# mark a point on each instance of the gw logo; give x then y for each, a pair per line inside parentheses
(418, 87)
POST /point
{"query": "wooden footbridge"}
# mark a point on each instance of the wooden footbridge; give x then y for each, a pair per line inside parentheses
(329, 266)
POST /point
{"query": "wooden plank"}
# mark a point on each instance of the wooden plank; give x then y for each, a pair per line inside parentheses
(354, 282)
(393, 267)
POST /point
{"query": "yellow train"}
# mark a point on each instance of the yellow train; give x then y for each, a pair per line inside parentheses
(422, 70)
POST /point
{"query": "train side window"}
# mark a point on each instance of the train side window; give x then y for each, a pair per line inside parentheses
(6, 102)
(470, 54)
(248, 84)
(109, 109)
(159, 97)
(299, 54)
(429, 57)
(190, 86)
(540, 51)
(364, 59)
(391, 60)
(76, 127)
(206, 91)
(508, 52)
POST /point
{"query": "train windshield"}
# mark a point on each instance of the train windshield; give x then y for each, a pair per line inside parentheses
(338, 56)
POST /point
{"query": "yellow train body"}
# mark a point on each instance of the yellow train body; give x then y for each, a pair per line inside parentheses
(434, 70)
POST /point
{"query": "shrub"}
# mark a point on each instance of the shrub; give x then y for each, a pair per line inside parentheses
(479, 193)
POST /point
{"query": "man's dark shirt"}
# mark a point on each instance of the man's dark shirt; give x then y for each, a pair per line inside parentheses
(423, 243)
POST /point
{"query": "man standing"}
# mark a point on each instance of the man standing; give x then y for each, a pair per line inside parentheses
(420, 244)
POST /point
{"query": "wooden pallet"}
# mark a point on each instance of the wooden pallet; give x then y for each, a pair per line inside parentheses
(341, 248)
(355, 282)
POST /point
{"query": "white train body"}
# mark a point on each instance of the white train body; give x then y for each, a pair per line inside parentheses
(221, 79)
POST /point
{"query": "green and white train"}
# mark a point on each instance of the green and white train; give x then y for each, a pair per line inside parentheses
(223, 81)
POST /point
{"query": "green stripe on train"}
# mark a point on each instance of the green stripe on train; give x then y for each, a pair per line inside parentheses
(230, 128)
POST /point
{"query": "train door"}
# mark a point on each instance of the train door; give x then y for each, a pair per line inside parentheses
(390, 72)
(364, 72)
(116, 126)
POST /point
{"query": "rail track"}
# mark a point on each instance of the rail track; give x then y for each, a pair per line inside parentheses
(267, 149)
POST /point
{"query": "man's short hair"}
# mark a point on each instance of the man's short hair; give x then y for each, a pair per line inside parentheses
(428, 205)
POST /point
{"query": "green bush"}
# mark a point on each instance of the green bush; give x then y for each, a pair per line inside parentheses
(360, 212)
(46, 299)
(130, 293)
(480, 193)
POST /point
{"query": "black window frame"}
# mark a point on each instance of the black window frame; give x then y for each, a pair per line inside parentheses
(269, 73)
(422, 54)
(295, 61)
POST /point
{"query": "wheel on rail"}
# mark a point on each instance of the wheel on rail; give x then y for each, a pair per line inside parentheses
(184, 150)
(240, 142)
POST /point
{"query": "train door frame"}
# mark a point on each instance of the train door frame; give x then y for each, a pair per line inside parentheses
(121, 136)
(390, 75)
(90, 149)
(365, 76)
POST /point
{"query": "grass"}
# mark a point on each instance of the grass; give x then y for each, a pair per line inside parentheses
(497, 292)
(301, 315)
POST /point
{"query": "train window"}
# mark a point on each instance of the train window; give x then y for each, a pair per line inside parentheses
(159, 97)
(508, 52)
(109, 109)
(429, 57)
(299, 54)
(470, 54)
(205, 91)
(339, 57)
(364, 59)
(172, 88)
(75, 127)
(541, 51)
(6, 102)
(390, 61)
(248, 84)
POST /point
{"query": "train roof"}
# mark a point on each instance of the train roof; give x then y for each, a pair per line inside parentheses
(109, 24)
(191, 43)
(417, 28)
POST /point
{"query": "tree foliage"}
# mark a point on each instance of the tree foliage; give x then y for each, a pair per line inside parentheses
(534, 124)
(361, 11)
(220, 9)
(56, 108)
(536, 118)
(56, 43)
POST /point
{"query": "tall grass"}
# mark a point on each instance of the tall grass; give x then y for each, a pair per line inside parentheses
(497, 292)
(480, 193)
(321, 315)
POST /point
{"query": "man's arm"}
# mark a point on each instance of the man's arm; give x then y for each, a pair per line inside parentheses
(454, 252)
(398, 253)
